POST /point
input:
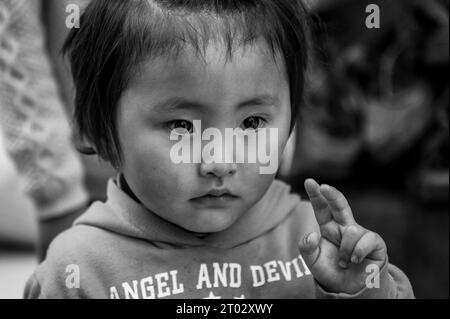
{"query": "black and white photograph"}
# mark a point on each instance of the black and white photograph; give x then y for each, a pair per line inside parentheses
(258, 150)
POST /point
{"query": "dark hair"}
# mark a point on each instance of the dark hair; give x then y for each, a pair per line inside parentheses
(115, 36)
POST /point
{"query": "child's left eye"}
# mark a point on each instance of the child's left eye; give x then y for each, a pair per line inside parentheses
(253, 123)
(181, 127)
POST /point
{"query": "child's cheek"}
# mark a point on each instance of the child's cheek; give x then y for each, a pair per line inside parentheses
(174, 178)
(162, 184)
(252, 181)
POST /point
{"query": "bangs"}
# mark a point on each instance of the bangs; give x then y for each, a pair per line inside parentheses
(166, 28)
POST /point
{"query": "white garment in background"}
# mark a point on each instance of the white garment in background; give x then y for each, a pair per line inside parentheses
(17, 215)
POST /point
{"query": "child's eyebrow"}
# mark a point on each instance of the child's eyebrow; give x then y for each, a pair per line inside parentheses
(261, 100)
(175, 104)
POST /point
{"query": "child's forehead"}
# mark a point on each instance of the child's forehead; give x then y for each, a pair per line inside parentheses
(254, 61)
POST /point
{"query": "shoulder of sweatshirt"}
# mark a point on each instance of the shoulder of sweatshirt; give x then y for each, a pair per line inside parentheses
(74, 254)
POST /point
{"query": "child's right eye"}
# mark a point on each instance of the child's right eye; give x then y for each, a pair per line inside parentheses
(181, 127)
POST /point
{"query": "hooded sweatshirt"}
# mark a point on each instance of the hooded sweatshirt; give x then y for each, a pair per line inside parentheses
(119, 249)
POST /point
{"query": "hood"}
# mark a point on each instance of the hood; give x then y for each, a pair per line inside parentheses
(122, 215)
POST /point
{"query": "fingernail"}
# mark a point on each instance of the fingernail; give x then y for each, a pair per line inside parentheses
(354, 259)
(343, 264)
(307, 238)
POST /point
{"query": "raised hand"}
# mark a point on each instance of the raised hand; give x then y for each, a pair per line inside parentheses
(339, 256)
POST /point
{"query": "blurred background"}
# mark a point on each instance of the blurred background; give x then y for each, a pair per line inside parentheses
(375, 125)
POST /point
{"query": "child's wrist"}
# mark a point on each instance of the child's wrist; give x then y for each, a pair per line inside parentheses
(378, 284)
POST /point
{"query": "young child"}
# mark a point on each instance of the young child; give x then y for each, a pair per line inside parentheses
(145, 70)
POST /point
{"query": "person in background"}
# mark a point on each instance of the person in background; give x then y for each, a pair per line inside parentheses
(34, 121)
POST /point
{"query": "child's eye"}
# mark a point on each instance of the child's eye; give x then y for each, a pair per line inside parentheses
(181, 127)
(253, 123)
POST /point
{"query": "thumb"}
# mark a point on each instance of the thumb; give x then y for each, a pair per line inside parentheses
(309, 248)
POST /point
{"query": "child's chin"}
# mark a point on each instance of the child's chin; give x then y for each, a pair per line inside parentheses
(213, 224)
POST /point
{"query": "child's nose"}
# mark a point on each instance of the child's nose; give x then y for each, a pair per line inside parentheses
(217, 169)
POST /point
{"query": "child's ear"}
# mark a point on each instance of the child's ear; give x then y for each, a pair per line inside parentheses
(83, 146)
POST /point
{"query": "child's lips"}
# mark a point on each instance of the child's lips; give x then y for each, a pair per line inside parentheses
(216, 198)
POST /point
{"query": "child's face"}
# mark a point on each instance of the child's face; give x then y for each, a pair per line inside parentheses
(221, 93)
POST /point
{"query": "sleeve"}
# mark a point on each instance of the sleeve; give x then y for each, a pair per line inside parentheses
(33, 289)
(47, 283)
(391, 283)
(36, 129)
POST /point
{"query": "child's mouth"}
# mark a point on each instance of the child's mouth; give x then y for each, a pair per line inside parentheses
(221, 198)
